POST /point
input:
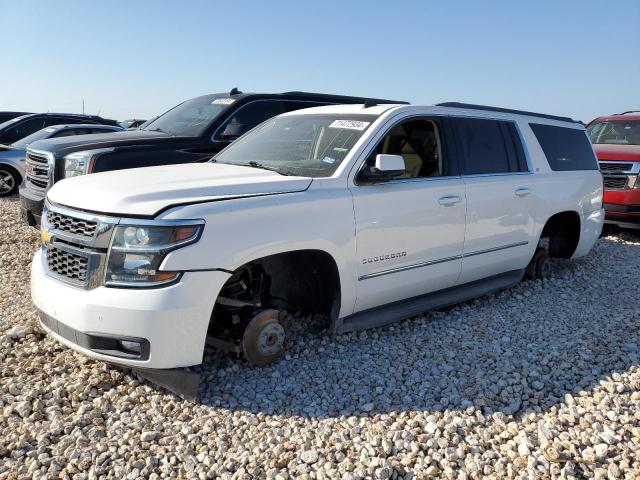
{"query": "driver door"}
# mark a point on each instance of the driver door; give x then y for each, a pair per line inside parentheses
(410, 229)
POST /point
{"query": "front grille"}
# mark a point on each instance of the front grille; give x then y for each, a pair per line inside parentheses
(72, 225)
(67, 265)
(615, 183)
(37, 172)
(615, 167)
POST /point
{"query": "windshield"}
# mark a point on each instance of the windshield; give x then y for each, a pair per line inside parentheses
(39, 135)
(616, 132)
(12, 121)
(191, 118)
(304, 145)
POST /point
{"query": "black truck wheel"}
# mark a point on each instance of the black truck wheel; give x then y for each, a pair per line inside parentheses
(539, 266)
(263, 339)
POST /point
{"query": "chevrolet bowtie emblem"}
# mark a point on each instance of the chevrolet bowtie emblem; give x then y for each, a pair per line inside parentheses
(45, 236)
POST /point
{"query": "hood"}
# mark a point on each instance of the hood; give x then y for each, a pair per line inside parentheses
(12, 154)
(65, 145)
(630, 153)
(144, 192)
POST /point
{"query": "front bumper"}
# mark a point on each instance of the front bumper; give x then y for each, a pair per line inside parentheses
(626, 216)
(173, 320)
(30, 206)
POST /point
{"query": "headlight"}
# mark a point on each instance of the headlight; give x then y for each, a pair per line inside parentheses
(78, 163)
(137, 251)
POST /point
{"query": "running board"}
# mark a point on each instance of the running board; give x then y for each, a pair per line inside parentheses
(393, 312)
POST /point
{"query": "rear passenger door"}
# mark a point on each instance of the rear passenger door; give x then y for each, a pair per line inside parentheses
(499, 191)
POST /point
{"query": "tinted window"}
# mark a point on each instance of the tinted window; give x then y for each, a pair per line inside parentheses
(565, 148)
(483, 146)
(22, 129)
(248, 116)
(419, 144)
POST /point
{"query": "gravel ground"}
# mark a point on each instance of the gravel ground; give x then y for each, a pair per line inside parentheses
(541, 381)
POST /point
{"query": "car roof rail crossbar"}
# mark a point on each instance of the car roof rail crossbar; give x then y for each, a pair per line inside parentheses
(628, 112)
(487, 108)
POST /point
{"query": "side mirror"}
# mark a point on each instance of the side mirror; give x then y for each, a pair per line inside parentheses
(385, 167)
(233, 130)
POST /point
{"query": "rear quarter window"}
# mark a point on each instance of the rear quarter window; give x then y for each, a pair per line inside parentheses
(566, 149)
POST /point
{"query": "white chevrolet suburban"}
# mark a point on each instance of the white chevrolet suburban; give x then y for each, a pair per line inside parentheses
(368, 214)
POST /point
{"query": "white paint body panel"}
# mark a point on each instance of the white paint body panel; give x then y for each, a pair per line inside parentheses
(251, 213)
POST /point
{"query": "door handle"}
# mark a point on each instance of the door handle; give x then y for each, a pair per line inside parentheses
(523, 191)
(449, 200)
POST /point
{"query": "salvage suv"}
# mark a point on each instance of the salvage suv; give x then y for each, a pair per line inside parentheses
(367, 214)
(616, 140)
(193, 131)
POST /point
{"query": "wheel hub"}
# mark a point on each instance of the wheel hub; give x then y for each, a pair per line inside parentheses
(271, 339)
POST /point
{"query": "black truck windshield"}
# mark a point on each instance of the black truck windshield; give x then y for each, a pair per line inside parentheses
(311, 145)
(34, 137)
(190, 118)
(615, 132)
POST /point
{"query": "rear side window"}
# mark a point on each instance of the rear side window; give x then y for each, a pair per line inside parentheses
(565, 148)
(489, 146)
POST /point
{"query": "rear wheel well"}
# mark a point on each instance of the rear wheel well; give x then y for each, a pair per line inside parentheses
(301, 280)
(563, 232)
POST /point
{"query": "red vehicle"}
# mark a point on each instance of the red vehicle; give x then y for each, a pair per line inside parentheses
(616, 140)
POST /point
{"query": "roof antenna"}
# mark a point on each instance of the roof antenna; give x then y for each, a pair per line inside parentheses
(370, 103)
(235, 91)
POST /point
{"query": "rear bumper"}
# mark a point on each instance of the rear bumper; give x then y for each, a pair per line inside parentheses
(31, 206)
(171, 323)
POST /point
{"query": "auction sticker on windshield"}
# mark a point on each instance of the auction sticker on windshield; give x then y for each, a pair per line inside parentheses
(223, 101)
(350, 124)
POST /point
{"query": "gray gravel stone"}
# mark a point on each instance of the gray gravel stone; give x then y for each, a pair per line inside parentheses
(540, 381)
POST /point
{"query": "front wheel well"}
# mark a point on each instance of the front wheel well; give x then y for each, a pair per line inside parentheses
(563, 232)
(303, 280)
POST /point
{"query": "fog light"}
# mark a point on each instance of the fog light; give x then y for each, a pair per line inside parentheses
(130, 347)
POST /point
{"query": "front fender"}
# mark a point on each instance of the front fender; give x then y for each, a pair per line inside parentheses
(242, 230)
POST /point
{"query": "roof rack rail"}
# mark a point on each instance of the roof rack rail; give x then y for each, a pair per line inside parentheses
(626, 113)
(471, 106)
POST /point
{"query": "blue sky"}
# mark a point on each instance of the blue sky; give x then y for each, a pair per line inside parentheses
(139, 58)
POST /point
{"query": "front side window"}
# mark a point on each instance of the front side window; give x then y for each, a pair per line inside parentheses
(312, 145)
(191, 118)
(248, 117)
(565, 148)
(419, 143)
(616, 132)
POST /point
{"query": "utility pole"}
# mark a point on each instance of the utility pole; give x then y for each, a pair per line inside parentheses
(83, 106)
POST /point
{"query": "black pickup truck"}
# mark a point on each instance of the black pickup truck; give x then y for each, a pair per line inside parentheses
(193, 131)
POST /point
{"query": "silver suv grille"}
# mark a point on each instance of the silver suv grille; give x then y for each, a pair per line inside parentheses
(68, 265)
(78, 243)
(37, 174)
(72, 225)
